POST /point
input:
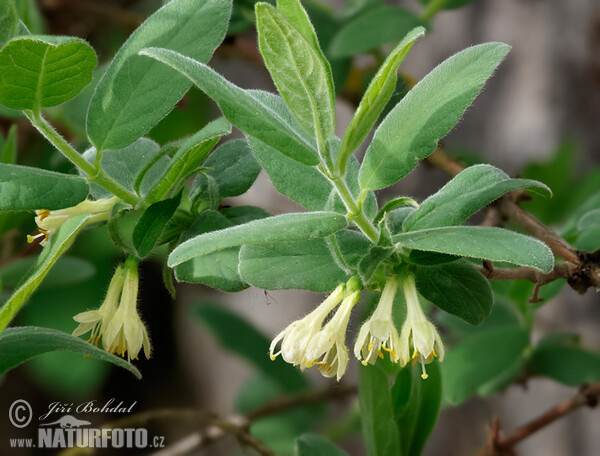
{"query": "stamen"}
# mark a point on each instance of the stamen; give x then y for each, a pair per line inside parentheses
(43, 213)
(31, 238)
(379, 353)
(329, 368)
(321, 366)
(389, 350)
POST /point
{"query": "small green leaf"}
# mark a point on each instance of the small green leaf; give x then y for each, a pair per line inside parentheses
(59, 242)
(377, 415)
(9, 21)
(286, 227)
(151, 224)
(369, 31)
(569, 365)
(135, 93)
(26, 189)
(233, 168)
(416, 406)
(299, 72)
(376, 96)
(480, 358)
(427, 113)
(243, 339)
(315, 445)
(41, 71)
(458, 288)
(471, 190)
(8, 150)
(305, 265)
(488, 243)
(188, 158)
(17, 345)
(256, 113)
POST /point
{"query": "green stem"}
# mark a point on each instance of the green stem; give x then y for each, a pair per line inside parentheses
(432, 9)
(93, 173)
(356, 213)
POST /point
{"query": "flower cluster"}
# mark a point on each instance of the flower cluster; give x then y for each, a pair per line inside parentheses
(50, 221)
(117, 321)
(310, 341)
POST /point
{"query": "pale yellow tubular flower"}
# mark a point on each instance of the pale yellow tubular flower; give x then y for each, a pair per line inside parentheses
(294, 339)
(327, 348)
(97, 320)
(126, 332)
(379, 334)
(50, 221)
(418, 334)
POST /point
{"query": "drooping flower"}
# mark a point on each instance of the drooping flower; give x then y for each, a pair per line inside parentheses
(126, 332)
(50, 221)
(295, 338)
(327, 348)
(379, 333)
(418, 334)
(97, 320)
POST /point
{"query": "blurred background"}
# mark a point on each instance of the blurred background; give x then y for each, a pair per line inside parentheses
(537, 117)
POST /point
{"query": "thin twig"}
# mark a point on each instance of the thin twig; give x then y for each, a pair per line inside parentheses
(588, 395)
(560, 271)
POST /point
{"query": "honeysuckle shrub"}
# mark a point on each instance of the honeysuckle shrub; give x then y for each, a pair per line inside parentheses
(164, 201)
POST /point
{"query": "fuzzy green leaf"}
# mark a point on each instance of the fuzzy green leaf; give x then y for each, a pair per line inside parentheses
(298, 70)
(488, 243)
(188, 158)
(416, 406)
(376, 96)
(471, 190)
(151, 224)
(287, 227)
(42, 71)
(217, 269)
(233, 168)
(410, 132)
(376, 412)
(134, 92)
(258, 116)
(305, 265)
(458, 288)
(26, 189)
(18, 345)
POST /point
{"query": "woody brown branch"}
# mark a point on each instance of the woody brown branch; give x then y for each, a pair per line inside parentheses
(588, 395)
(583, 268)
